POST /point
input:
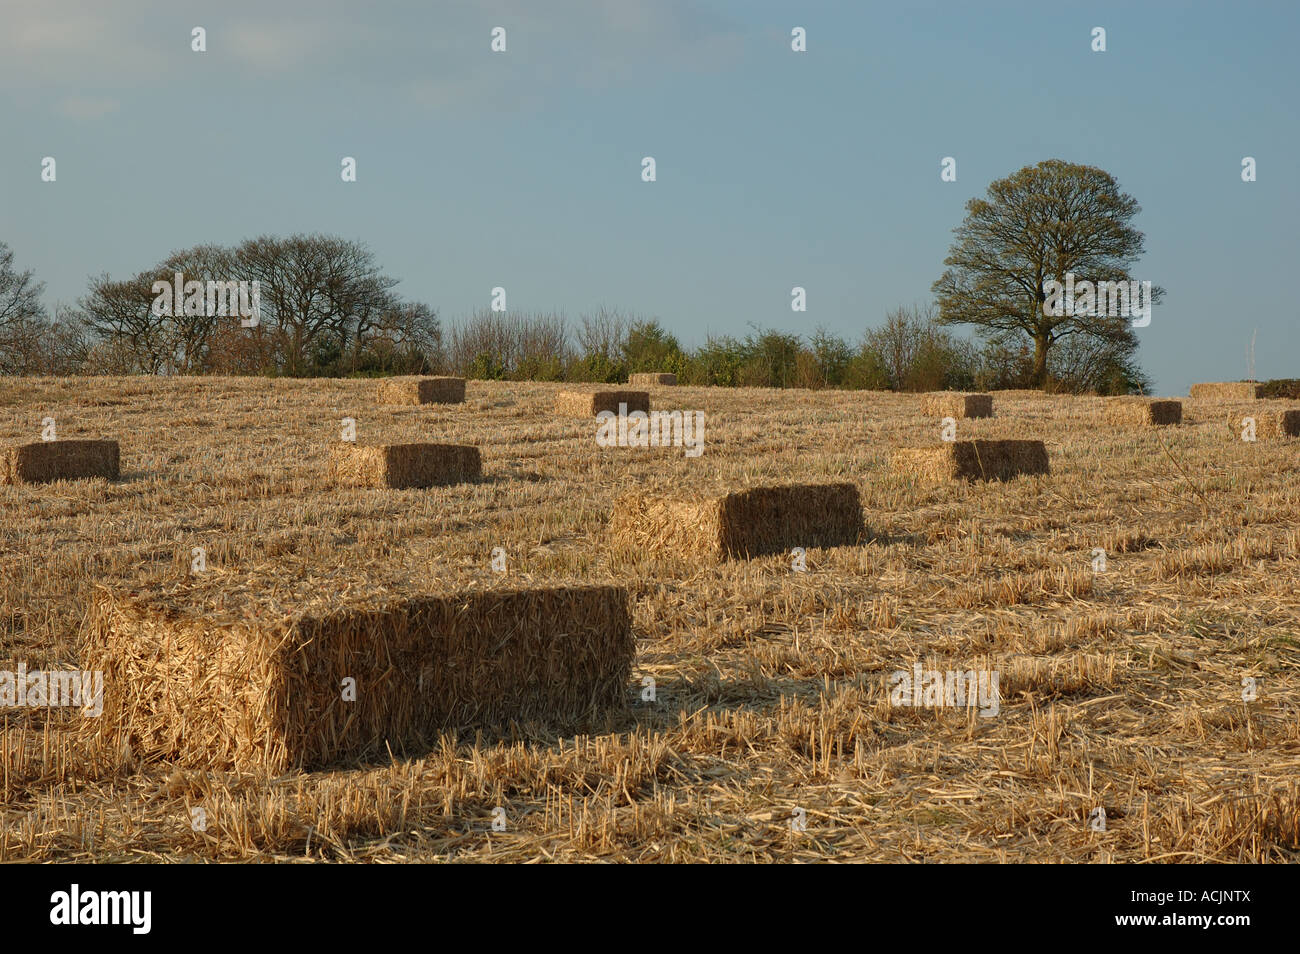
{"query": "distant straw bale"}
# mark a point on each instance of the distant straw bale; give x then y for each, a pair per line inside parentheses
(972, 460)
(307, 673)
(1127, 412)
(406, 390)
(44, 461)
(1225, 391)
(591, 403)
(955, 405)
(401, 466)
(738, 524)
(646, 379)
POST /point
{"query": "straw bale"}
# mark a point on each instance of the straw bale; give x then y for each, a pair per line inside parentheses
(973, 460)
(59, 460)
(251, 673)
(1225, 391)
(1126, 412)
(955, 405)
(591, 403)
(400, 466)
(645, 379)
(405, 390)
(716, 526)
(1269, 425)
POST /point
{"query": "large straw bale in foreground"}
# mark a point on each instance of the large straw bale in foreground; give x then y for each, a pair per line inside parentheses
(1125, 412)
(400, 466)
(648, 378)
(59, 460)
(741, 523)
(954, 405)
(972, 460)
(422, 391)
(1225, 391)
(1269, 425)
(252, 675)
(591, 403)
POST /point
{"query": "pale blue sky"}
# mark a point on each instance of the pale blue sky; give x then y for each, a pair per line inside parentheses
(775, 169)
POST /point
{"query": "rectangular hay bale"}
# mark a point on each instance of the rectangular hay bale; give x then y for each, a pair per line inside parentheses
(647, 378)
(1269, 425)
(591, 403)
(739, 524)
(956, 405)
(436, 390)
(208, 676)
(1125, 412)
(1225, 391)
(973, 460)
(402, 466)
(44, 461)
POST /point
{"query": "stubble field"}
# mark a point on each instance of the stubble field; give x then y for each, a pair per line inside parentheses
(771, 736)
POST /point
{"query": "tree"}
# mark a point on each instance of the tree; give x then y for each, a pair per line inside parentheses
(1043, 224)
(315, 290)
(120, 313)
(323, 307)
(22, 315)
(649, 347)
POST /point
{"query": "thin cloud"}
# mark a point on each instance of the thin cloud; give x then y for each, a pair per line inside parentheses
(87, 107)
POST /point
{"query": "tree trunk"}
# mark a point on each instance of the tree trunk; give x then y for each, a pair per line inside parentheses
(1041, 344)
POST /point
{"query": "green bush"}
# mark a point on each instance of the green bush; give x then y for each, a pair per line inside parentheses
(486, 367)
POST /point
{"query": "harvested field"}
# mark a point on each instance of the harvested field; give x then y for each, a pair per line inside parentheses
(754, 690)
(403, 466)
(1126, 412)
(651, 378)
(956, 406)
(436, 390)
(44, 461)
(245, 672)
(741, 523)
(973, 460)
(591, 403)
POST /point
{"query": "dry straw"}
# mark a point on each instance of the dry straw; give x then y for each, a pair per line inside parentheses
(954, 405)
(247, 674)
(1130, 413)
(739, 524)
(972, 460)
(1269, 425)
(59, 460)
(591, 403)
(1225, 391)
(648, 378)
(400, 466)
(422, 391)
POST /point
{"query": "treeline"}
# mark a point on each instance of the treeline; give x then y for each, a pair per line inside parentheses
(911, 351)
(327, 309)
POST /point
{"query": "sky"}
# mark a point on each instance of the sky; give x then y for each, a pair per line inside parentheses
(774, 169)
